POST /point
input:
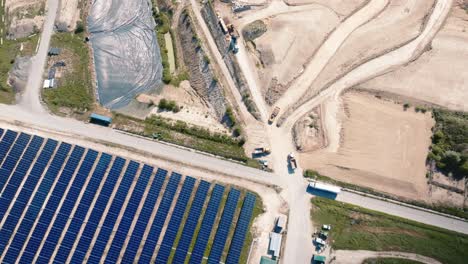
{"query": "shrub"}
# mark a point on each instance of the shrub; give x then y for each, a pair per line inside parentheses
(79, 27)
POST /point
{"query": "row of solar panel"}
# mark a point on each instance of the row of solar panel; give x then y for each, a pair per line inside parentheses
(82, 210)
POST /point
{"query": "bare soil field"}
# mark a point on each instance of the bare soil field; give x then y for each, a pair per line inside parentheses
(68, 14)
(286, 47)
(382, 147)
(24, 17)
(399, 23)
(341, 7)
(439, 76)
(308, 132)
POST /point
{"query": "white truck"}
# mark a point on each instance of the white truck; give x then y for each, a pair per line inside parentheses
(262, 150)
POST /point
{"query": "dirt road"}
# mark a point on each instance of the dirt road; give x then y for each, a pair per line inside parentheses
(30, 97)
(382, 64)
(326, 52)
(358, 256)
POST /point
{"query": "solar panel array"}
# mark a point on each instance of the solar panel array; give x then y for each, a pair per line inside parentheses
(62, 203)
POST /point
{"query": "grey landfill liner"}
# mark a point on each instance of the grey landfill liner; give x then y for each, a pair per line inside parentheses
(127, 58)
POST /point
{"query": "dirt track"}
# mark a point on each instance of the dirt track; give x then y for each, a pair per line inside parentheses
(327, 51)
(439, 76)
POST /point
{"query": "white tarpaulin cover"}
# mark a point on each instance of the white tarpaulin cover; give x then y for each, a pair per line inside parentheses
(126, 52)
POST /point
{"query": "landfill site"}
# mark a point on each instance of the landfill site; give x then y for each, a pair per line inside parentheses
(226, 131)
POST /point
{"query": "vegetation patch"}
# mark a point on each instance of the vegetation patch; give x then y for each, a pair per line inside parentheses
(449, 149)
(183, 134)
(356, 228)
(75, 89)
(168, 105)
(390, 261)
(254, 30)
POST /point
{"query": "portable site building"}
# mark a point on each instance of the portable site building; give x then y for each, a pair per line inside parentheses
(100, 119)
(275, 244)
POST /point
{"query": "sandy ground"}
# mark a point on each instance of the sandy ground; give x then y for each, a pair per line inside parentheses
(439, 76)
(193, 110)
(308, 132)
(382, 147)
(401, 18)
(14, 4)
(286, 47)
(358, 256)
(68, 14)
(342, 7)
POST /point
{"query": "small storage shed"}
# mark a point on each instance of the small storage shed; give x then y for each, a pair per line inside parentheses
(280, 223)
(54, 52)
(100, 119)
(267, 260)
(318, 259)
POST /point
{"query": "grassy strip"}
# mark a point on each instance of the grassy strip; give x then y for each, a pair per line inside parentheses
(180, 133)
(458, 212)
(75, 90)
(258, 210)
(163, 23)
(356, 228)
(390, 261)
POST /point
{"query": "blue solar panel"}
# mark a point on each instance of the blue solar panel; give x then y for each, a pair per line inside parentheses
(16, 151)
(240, 232)
(6, 143)
(83, 207)
(223, 227)
(160, 218)
(97, 212)
(37, 201)
(144, 217)
(25, 193)
(129, 213)
(176, 219)
(68, 204)
(207, 224)
(191, 223)
(113, 213)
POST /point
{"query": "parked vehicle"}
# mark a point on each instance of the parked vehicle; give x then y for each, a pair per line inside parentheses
(261, 150)
(292, 161)
(273, 115)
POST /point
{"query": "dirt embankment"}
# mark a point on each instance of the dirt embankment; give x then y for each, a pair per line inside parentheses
(401, 22)
(202, 78)
(382, 147)
(68, 15)
(439, 76)
(308, 133)
(229, 58)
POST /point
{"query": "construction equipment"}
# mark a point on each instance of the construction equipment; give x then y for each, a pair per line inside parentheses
(292, 161)
(273, 115)
(262, 150)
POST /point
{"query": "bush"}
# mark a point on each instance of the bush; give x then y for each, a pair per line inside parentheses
(168, 105)
(79, 27)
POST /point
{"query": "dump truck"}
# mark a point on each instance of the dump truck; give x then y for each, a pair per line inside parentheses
(273, 114)
(292, 161)
(261, 150)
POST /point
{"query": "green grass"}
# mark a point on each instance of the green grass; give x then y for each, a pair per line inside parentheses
(356, 228)
(75, 88)
(455, 211)
(390, 261)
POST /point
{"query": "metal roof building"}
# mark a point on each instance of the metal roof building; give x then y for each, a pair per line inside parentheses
(267, 260)
(275, 244)
(100, 119)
